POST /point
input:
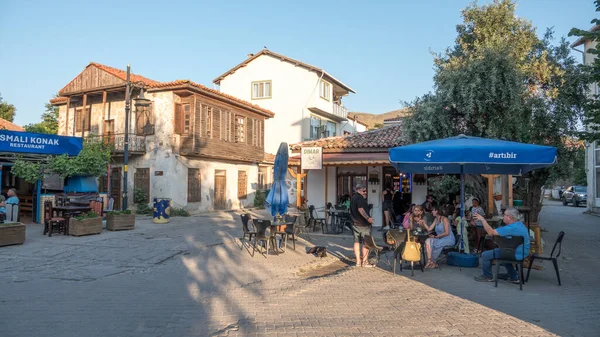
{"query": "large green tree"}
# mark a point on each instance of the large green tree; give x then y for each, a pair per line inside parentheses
(500, 80)
(49, 123)
(592, 70)
(7, 111)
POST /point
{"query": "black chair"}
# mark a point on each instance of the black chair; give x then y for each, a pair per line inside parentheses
(552, 258)
(290, 230)
(247, 232)
(315, 219)
(370, 244)
(399, 238)
(451, 248)
(508, 247)
(261, 235)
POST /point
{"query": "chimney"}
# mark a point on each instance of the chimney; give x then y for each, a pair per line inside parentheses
(250, 55)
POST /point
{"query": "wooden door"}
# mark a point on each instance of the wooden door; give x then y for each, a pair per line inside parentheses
(115, 186)
(220, 188)
(109, 131)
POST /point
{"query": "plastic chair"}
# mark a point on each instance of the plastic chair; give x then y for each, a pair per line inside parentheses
(399, 238)
(315, 219)
(247, 232)
(261, 235)
(508, 247)
(290, 223)
(370, 244)
(12, 213)
(110, 205)
(552, 258)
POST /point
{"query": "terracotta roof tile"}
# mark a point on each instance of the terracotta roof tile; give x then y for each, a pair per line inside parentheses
(384, 138)
(6, 125)
(164, 85)
(270, 159)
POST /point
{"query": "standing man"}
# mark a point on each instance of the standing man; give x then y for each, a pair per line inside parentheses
(514, 227)
(361, 224)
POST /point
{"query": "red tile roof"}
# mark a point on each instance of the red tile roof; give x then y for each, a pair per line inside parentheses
(151, 84)
(270, 159)
(395, 119)
(369, 141)
(179, 83)
(6, 125)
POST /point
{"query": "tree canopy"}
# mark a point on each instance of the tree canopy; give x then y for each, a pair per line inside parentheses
(7, 111)
(500, 80)
(49, 123)
(592, 109)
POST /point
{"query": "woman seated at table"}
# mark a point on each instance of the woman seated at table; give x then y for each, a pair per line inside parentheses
(417, 219)
(441, 237)
(345, 201)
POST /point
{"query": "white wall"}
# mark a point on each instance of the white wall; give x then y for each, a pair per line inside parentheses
(593, 203)
(351, 126)
(293, 90)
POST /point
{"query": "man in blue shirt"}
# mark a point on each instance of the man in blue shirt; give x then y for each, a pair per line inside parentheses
(514, 227)
(12, 200)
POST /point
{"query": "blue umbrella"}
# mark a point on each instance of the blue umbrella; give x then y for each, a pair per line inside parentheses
(278, 196)
(464, 154)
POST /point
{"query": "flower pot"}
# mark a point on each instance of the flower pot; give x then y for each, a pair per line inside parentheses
(118, 222)
(85, 226)
(12, 234)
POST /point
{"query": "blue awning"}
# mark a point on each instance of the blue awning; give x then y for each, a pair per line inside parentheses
(38, 143)
(465, 154)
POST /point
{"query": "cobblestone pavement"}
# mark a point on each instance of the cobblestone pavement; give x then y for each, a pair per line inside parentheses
(190, 278)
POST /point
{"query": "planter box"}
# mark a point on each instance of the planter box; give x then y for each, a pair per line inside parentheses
(119, 222)
(85, 226)
(12, 234)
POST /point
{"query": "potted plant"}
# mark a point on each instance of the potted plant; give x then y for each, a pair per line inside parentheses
(12, 234)
(120, 220)
(85, 224)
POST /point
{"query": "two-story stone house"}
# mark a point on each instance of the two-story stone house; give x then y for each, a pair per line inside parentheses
(193, 144)
(306, 99)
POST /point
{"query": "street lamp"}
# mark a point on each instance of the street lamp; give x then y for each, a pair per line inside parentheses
(141, 101)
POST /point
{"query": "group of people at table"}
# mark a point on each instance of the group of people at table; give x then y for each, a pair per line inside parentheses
(439, 222)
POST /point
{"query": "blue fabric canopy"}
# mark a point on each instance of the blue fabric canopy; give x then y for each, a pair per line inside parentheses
(277, 199)
(471, 155)
(464, 154)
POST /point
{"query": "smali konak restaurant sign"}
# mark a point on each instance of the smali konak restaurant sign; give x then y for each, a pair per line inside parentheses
(37, 143)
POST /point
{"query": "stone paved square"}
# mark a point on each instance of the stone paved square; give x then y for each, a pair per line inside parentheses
(190, 278)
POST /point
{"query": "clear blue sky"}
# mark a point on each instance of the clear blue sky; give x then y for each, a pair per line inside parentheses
(379, 48)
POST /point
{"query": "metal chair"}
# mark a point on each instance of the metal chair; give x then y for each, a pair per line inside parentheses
(552, 258)
(315, 219)
(370, 244)
(508, 247)
(399, 238)
(261, 236)
(290, 230)
(247, 232)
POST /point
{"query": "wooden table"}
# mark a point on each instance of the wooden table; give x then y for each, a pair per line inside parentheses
(68, 212)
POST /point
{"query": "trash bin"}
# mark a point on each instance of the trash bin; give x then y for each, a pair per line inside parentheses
(162, 208)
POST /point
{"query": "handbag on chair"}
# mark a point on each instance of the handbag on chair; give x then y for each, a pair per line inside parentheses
(412, 249)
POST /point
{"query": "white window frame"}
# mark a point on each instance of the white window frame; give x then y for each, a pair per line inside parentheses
(255, 89)
(325, 90)
(319, 134)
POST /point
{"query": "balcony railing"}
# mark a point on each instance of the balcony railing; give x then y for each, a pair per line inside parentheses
(116, 141)
(340, 111)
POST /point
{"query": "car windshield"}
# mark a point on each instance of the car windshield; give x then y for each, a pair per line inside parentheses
(580, 189)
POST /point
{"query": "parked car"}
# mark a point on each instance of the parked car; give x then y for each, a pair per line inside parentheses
(574, 194)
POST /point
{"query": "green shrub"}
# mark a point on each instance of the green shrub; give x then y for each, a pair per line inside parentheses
(259, 198)
(88, 215)
(144, 209)
(120, 212)
(178, 212)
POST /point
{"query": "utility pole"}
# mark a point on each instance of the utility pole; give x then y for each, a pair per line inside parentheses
(126, 145)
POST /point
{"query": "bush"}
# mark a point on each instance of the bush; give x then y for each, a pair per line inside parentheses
(260, 198)
(88, 215)
(178, 212)
(120, 212)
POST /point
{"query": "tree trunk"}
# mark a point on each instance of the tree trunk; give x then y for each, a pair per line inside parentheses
(476, 186)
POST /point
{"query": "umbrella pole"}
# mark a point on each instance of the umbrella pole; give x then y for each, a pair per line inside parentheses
(462, 206)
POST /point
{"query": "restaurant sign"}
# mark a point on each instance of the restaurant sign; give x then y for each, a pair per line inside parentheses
(37, 143)
(312, 158)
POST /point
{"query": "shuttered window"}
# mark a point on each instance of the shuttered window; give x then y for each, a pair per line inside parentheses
(240, 129)
(193, 194)
(82, 120)
(242, 185)
(144, 123)
(178, 120)
(141, 181)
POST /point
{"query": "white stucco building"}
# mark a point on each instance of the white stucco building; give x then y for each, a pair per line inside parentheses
(306, 100)
(592, 150)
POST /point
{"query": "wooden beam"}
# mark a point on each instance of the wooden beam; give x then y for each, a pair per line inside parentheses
(298, 177)
(103, 111)
(326, 181)
(83, 114)
(510, 191)
(67, 117)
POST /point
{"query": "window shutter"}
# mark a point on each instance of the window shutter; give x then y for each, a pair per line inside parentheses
(242, 184)
(216, 131)
(250, 131)
(198, 124)
(88, 119)
(178, 121)
(261, 132)
(78, 115)
(194, 183)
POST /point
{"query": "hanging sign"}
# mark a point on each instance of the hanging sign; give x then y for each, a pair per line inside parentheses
(38, 143)
(312, 158)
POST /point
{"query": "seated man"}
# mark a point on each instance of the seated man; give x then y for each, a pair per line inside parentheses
(514, 227)
(12, 200)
